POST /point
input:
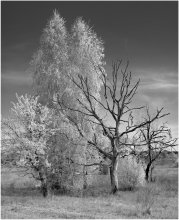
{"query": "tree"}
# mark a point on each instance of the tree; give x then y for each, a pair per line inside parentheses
(28, 131)
(49, 64)
(116, 102)
(8, 157)
(63, 54)
(42, 143)
(155, 139)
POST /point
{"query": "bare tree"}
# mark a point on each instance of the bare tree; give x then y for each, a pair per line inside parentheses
(156, 139)
(116, 99)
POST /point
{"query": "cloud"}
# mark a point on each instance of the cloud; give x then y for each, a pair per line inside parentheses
(16, 78)
(16, 57)
(159, 84)
(12, 83)
(157, 75)
(174, 130)
(21, 46)
(157, 89)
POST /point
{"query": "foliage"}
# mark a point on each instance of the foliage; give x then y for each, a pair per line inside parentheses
(40, 120)
(30, 129)
(130, 174)
(45, 151)
(36, 127)
(62, 55)
(68, 73)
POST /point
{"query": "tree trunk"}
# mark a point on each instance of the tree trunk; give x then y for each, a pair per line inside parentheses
(151, 172)
(113, 175)
(84, 178)
(44, 187)
(148, 172)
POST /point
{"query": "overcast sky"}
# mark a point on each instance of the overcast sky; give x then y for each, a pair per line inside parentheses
(145, 33)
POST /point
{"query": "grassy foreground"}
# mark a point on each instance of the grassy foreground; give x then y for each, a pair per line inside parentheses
(156, 200)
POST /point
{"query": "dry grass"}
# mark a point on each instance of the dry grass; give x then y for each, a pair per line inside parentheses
(145, 200)
(20, 200)
(160, 199)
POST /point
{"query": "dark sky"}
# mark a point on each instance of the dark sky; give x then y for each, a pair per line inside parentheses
(146, 33)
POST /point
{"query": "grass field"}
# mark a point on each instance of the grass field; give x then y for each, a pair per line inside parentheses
(157, 200)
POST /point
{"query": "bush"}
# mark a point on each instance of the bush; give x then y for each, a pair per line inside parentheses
(58, 184)
(128, 181)
(130, 174)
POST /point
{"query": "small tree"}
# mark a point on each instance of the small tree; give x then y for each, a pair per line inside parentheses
(29, 130)
(117, 97)
(45, 145)
(155, 139)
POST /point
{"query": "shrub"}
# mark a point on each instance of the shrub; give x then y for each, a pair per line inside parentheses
(128, 180)
(130, 174)
(58, 184)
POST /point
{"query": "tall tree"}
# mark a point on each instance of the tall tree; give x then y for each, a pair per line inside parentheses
(62, 55)
(117, 97)
(49, 64)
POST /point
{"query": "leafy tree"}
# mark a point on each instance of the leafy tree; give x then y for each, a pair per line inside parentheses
(29, 130)
(38, 140)
(49, 64)
(8, 157)
(64, 54)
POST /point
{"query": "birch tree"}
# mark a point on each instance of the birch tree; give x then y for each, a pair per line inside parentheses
(63, 54)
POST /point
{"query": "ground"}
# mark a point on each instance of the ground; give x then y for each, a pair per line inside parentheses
(157, 200)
